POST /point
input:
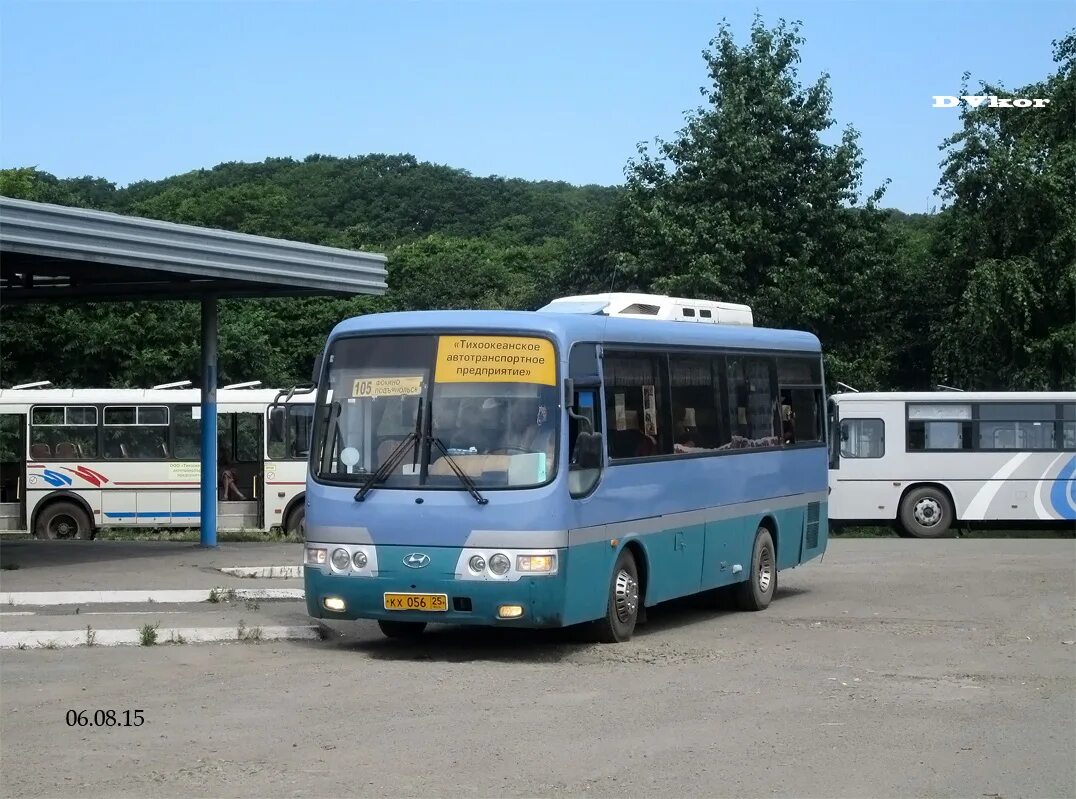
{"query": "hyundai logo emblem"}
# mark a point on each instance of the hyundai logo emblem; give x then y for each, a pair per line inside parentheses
(416, 560)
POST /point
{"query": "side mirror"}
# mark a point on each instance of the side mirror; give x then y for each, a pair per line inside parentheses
(316, 374)
(569, 393)
(588, 450)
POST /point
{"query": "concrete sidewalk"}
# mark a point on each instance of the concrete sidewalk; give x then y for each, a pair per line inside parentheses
(30, 565)
(52, 591)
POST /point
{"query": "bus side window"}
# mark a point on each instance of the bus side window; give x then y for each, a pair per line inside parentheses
(585, 441)
(862, 438)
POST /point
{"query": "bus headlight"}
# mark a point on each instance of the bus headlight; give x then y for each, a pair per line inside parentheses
(359, 559)
(341, 559)
(315, 556)
(500, 564)
(536, 563)
(477, 564)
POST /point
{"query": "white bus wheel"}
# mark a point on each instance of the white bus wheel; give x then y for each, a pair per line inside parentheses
(63, 520)
(926, 512)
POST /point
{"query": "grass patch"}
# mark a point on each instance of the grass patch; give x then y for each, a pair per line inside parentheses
(147, 636)
(176, 638)
(9, 567)
(91, 636)
(21, 645)
(221, 595)
(52, 645)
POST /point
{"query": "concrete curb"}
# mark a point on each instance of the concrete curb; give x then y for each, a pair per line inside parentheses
(43, 598)
(264, 571)
(65, 639)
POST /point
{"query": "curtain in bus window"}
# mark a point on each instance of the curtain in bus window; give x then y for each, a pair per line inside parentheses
(939, 426)
(694, 404)
(862, 438)
(752, 406)
(634, 398)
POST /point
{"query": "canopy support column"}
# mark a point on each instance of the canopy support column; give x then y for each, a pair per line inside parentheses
(208, 514)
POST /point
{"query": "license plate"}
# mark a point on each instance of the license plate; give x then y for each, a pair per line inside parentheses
(437, 603)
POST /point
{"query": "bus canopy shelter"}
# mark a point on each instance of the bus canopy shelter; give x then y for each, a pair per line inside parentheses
(52, 253)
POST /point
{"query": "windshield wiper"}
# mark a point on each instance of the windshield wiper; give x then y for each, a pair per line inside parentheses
(460, 473)
(386, 467)
(393, 460)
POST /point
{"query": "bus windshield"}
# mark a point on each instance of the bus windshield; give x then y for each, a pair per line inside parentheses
(402, 403)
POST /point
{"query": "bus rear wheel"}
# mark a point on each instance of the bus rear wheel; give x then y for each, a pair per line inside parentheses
(63, 520)
(756, 592)
(624, 598)
(401, 629)
(926, 512)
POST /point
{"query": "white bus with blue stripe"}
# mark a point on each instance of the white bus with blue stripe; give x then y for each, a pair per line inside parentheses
(544, 469)
(930, 462)
(74, 461)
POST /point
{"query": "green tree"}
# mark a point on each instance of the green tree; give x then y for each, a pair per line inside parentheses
(749, 204)
(1006, 244)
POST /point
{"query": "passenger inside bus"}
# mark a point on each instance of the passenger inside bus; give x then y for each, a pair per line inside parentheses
(228, 477)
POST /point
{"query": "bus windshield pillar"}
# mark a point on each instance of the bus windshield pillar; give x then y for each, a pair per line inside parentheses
(208, 513)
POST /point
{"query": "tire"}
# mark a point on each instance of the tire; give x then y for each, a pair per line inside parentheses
(926, 512)
(622, 608)
(401, 629)
(756, 592)
(295, 523)
(63, 520)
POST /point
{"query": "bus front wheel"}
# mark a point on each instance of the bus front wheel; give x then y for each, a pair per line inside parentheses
(401, 629)
(63, 520)
(757, 590)
(926, 512)
(623, 609)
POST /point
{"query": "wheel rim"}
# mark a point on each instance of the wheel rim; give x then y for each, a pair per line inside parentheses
(765, 569)
(63, 526)
(927, 511)
(625, 596)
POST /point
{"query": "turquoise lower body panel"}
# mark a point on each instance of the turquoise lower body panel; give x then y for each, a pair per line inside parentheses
(673, 562)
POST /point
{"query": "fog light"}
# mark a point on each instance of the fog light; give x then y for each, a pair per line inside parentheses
(333, 603)
(477, 563)
(536, 563)
(316, 556)
(499, 564)
(359, 559)
(509, 611)
(341, 559)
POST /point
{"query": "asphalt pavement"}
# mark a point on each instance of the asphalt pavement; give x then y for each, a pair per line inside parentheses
(892, 668)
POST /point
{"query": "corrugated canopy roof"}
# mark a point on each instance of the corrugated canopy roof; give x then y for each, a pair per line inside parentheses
(53, 252)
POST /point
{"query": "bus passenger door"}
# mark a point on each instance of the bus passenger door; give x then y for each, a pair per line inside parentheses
(12, 471)
(240, 450)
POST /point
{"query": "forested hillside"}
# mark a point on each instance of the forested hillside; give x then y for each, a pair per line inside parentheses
(746, 203)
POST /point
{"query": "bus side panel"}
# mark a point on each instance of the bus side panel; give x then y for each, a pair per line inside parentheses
(727, 542)
(675, 562)
(154, 508)
(118, 508)
(186, 508)
(586, 588)
(791, 535)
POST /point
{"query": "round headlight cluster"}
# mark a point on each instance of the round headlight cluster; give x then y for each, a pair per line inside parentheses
(359, 559)
(477, 563)
(500, 564)
(341, 559)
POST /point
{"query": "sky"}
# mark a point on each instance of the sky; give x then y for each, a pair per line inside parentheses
(547, 89)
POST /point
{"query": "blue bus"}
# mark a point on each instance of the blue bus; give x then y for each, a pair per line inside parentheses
(558, 467)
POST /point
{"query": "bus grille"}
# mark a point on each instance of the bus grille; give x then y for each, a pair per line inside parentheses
(812, 525)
